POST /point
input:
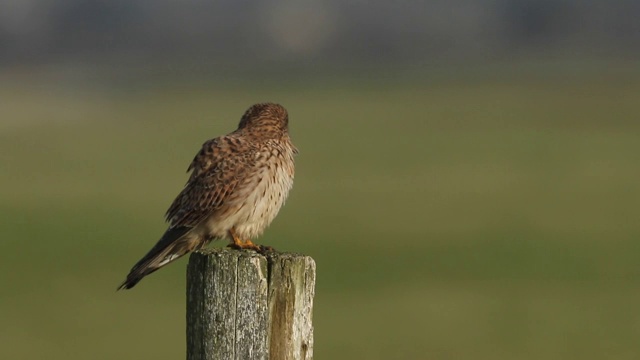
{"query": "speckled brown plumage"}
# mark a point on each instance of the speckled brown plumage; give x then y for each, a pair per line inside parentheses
(237, 185)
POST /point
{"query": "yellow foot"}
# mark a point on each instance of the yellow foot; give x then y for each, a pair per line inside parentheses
(237, 243)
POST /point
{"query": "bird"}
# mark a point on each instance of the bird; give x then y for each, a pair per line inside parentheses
(237, 185)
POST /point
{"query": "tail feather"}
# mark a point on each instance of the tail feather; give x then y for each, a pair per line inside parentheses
(170, 247)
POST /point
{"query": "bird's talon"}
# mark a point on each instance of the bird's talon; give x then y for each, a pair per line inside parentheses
(248, 245)
(264, 249)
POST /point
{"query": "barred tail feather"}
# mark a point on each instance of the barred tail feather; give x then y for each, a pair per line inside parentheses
(169, 248)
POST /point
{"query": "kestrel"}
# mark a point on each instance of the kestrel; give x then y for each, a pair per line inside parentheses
(237, 185)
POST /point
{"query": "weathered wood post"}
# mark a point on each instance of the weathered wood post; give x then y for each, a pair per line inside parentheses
(243, 305)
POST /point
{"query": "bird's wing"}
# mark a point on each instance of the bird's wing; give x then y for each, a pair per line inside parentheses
(222, 165)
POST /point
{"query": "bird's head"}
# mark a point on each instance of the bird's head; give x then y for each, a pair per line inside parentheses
(267, 118)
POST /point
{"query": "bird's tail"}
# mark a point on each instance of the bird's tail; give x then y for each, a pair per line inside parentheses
(174, 244)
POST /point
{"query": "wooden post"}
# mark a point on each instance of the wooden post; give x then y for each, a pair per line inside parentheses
(242, 305)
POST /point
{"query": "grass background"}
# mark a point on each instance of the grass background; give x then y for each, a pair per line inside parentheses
(460, 216)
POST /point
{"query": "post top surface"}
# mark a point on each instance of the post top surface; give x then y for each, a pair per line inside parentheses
(224, 251)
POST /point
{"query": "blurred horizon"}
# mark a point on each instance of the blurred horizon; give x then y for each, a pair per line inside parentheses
(320, 33)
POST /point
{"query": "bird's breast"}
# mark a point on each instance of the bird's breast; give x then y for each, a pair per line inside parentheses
(266, 193)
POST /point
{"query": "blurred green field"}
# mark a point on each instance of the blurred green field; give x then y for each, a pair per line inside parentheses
(479, 217)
